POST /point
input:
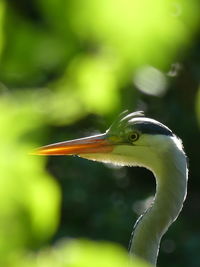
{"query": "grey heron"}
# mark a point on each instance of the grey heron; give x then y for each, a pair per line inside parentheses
(135, 140)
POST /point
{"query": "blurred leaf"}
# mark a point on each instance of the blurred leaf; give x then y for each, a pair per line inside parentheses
(35, 53)
(2, 12)
(29, 198)
(137, 32)
(95, 82)
(81, 253)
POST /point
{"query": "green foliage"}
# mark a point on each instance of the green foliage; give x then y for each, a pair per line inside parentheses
(80, 254)
(2, 10)
(65, 65)
(28, 196)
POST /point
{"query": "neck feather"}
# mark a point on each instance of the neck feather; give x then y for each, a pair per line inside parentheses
(171, 188)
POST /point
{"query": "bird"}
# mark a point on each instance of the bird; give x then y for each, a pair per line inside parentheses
(136, 140)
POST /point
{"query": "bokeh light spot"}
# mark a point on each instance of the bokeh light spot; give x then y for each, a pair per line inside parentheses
(150, 80)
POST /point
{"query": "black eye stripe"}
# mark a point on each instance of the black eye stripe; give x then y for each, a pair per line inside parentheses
(153, 128)
(138, 122)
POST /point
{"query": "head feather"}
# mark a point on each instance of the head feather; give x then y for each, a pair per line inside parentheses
(124, 117)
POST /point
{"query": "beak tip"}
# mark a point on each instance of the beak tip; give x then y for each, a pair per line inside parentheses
(34, 153)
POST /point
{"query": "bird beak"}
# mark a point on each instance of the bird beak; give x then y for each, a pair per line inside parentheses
(93, 144)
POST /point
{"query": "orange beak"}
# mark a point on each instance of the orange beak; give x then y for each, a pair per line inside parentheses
(92, 144)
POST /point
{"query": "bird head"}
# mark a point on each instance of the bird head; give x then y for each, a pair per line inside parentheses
(132, 140)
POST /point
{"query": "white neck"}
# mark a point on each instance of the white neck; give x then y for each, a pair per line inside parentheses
(171, 188)
(165, 157)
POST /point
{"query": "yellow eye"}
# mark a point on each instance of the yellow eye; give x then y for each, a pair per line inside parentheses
(133, 137)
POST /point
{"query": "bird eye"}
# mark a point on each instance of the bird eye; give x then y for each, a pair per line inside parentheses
(133, 137)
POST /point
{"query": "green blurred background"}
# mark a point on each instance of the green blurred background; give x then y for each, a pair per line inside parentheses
(67, 69)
